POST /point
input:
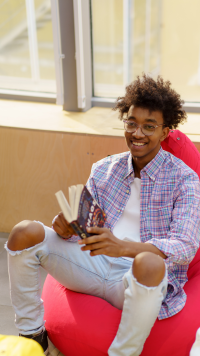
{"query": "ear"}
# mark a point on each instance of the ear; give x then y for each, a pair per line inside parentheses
(165, 133)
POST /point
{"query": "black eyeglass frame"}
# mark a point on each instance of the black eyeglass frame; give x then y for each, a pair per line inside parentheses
(140, 126)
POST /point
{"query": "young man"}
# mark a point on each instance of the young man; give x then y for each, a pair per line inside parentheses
(138, 262)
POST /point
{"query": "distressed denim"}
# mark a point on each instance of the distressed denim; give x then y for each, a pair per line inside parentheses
(102, 276)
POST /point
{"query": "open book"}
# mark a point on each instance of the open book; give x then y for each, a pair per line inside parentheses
(82, 210)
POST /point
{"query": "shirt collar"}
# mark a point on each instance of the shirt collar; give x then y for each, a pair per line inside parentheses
(130, 169)
(153, 167)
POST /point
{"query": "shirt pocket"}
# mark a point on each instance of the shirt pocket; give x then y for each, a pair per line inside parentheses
(158, 220)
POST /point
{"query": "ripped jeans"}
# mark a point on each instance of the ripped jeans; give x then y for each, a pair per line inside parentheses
(102, 276)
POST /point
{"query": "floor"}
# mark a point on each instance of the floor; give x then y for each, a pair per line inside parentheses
(7, 326)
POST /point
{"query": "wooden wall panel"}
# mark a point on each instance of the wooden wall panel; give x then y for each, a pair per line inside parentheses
(197, 144)
(102, 146)
(35, 164)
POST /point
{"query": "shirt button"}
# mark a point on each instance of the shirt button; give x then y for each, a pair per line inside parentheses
(127, 191)
(118, 211)
(178, 138)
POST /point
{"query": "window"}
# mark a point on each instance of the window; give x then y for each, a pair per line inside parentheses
(151, 36)
(129, 37)
(26, 46)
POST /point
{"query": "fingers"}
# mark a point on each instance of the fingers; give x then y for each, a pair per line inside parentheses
(64, 234)
(98, 244)
(101, 233)
(100, 247)
(103, 242)
(57, 229)
(92, 239)
(93, 246)
(97, 230)
(58, 223)
(97, 252)
(62, 227)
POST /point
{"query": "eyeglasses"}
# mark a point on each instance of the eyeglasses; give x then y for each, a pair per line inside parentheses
(147, 129)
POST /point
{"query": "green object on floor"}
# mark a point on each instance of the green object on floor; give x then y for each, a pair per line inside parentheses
(20, 346)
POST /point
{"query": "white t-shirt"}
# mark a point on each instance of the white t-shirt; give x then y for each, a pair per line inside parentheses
(128, 226)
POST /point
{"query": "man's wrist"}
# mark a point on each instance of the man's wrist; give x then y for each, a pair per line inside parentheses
(133, 248)
(127, 249)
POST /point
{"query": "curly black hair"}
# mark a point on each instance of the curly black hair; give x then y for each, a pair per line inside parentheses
(155, 95)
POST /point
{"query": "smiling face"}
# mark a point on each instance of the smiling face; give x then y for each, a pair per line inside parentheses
(145, 148)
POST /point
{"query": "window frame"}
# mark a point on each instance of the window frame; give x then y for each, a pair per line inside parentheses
(68, 76)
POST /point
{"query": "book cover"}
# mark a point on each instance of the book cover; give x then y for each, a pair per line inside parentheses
(89, 213)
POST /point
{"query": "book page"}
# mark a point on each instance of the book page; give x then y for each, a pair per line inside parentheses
(64, 205)
(79, 189)
(72, 196)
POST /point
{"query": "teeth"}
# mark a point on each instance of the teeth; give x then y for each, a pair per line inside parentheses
(138, 143)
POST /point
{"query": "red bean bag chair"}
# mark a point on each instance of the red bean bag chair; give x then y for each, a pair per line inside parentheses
(181, 146)
(80, 324)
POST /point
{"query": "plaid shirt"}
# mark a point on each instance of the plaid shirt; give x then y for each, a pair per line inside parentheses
(169, 211)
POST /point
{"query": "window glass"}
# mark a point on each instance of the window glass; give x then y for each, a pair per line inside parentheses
(45, 39)
(107, 19)
(152, 36)
(26, 46)
(14, 49)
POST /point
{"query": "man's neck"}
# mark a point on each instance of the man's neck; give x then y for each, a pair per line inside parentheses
(140, 163)
(137, 168)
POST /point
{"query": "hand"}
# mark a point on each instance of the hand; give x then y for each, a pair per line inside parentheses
(103, 242)
(62, 227)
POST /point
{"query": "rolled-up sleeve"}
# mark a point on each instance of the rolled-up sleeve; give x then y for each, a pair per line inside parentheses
(182, 240)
